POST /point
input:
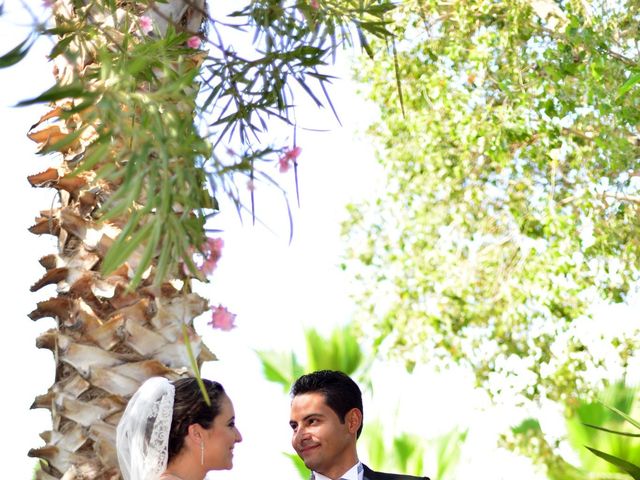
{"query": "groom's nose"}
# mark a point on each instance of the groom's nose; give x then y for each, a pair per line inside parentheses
(298, 435)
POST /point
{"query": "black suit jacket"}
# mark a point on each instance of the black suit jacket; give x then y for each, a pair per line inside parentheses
(371, 475)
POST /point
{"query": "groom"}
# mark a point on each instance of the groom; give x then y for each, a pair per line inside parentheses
(326, 418)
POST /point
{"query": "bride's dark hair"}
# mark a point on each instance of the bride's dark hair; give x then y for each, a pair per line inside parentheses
(189, 407)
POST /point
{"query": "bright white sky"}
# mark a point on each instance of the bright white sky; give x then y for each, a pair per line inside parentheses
(275, 289)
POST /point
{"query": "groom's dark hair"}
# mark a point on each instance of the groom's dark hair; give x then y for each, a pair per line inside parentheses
(341, 393)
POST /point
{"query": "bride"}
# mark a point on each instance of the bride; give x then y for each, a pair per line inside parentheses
(168, 432)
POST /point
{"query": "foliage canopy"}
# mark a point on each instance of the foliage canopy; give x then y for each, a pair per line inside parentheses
(510, 204)
(173, 116)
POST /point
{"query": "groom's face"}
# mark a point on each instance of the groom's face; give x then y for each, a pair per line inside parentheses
(324, 443)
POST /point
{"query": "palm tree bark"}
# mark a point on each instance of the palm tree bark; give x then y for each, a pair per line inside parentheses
(109, 337)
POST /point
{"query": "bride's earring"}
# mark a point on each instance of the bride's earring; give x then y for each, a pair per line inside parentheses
(201, 452)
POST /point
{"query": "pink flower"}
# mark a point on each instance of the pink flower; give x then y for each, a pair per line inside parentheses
(251, 186)
(211, 251)
(315, 5)
(284, 165)
(206, 259)
(222, 318)
(48, 3)
(146, 24)
(289, 155)
(194, 42)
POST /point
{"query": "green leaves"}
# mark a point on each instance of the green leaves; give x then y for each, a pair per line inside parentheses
(628, 467)
(340, 351)
(280, 368)
(507, 151)
(405, 454)
(130, 102)
(299, 465)
(598, 426)
(17, 53)
(622, 458)
(60, 92)
(292, 44)
(626, 86)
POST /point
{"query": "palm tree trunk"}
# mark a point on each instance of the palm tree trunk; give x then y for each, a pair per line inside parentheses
(109, 337)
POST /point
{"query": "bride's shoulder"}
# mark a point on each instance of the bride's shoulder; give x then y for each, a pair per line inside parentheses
(168, 476)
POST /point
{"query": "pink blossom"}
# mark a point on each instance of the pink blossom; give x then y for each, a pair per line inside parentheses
(206, 259)
(222, 318)
(194, 42)
(289, 155)
(211, 251)
(315, 5)
(146, 24)
(284, 165)
(251, 186)
(48, 3)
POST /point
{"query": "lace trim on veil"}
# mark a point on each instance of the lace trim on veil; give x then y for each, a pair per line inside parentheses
(159, 440)
(142, 435)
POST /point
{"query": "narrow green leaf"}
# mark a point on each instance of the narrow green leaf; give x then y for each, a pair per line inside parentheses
(61, 46)
(148, 254)
(59, 31)
(365, 43)
(113, 209)
(380, 9)
(166, 191)
(396, 69)
(626, 86)
(126, 195)
(82, 106)
(164, 259)
(633, 422)
(194, 365)
(58, 92)
(182, 243)
(98, 152)
(122, 249)
(17, 53)
(628, 467)
(333, 109)
(303, 471)
(306, 88)
(615, 432)
(271, 371)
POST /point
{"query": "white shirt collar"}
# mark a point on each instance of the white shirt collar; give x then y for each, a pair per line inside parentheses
(354, 473)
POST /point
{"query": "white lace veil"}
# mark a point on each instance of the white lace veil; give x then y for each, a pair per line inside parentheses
(142, 436)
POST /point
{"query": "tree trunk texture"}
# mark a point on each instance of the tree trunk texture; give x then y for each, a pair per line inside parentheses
(109, 338)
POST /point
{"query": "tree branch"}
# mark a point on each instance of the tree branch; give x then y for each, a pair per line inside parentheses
(622, 197)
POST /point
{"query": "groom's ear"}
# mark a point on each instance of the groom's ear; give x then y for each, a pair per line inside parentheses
(353, 419)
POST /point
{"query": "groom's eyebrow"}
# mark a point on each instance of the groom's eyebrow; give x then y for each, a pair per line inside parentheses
(311, 416)
(307, 417)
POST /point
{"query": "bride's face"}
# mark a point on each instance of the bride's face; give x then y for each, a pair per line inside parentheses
(221, 437)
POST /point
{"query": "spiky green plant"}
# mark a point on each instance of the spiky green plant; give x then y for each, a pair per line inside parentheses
(591, 427)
